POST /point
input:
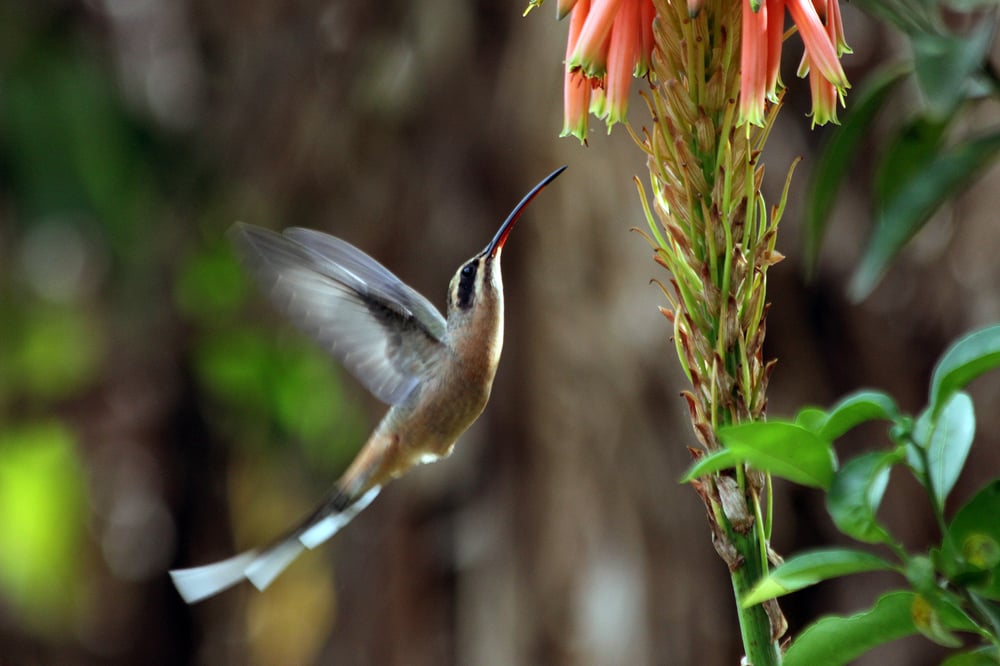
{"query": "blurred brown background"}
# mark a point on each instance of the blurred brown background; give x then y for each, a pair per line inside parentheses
(154, 412)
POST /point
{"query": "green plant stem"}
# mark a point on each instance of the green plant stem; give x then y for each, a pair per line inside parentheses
(755, 626)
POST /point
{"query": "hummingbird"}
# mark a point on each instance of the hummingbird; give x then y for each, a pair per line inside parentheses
(435, 373)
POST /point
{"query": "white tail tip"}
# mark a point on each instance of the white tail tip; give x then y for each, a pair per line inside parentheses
(265, 568)
(326, 527)
(261, 568)
(202, 582)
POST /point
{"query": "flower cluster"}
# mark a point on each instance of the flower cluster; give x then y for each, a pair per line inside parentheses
(822, 31)
(610, 41)
(713, 72)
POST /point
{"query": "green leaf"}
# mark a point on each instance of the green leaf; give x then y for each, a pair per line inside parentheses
(965, 360)
(856, 409)
(972, 540)
(971, 5)
(783, 449)
(938, 613)
(981, 550)
(712, 463)
(984, 656)
(906, 213)
(914, 145)
(856, 494)
(834, 641)
(811, 568)
(950, 607)
(838, 152)
(920, 574)
(989, 610)
(945, 63)
(811, 418)
(946, 441)
(950, 444)
(910, 17)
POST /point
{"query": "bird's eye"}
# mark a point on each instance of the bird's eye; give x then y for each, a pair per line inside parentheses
(466, 286)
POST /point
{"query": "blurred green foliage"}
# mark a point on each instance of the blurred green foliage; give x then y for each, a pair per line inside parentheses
(71, 149)
(210, 286)
(260, 381)
(68, 165)
(50, 350)
(42, 511)
(932, 150)
(287, 389)
(155, 292)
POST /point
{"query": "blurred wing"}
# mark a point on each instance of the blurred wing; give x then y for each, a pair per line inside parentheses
(387, 335)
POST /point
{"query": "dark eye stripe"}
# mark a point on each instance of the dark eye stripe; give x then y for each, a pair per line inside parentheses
(466, 286)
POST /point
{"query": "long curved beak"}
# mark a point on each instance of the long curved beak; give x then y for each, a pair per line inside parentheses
(501, 237)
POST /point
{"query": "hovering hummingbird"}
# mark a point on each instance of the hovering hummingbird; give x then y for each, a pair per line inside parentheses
(436, 373)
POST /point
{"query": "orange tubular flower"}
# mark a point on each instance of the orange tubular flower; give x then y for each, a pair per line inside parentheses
(753, 63)
(824, 99)
(576, 89)
(563, 8)
(820, 46)
(591, 53)
(646, 15)
(623, 58)
(610, 41)
(775, 26)
(835, 27)
(825, 91)
(820, 25)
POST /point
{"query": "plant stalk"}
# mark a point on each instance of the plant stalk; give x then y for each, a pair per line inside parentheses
(755, 625)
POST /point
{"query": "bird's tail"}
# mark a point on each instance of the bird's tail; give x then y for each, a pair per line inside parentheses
(261, 567)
